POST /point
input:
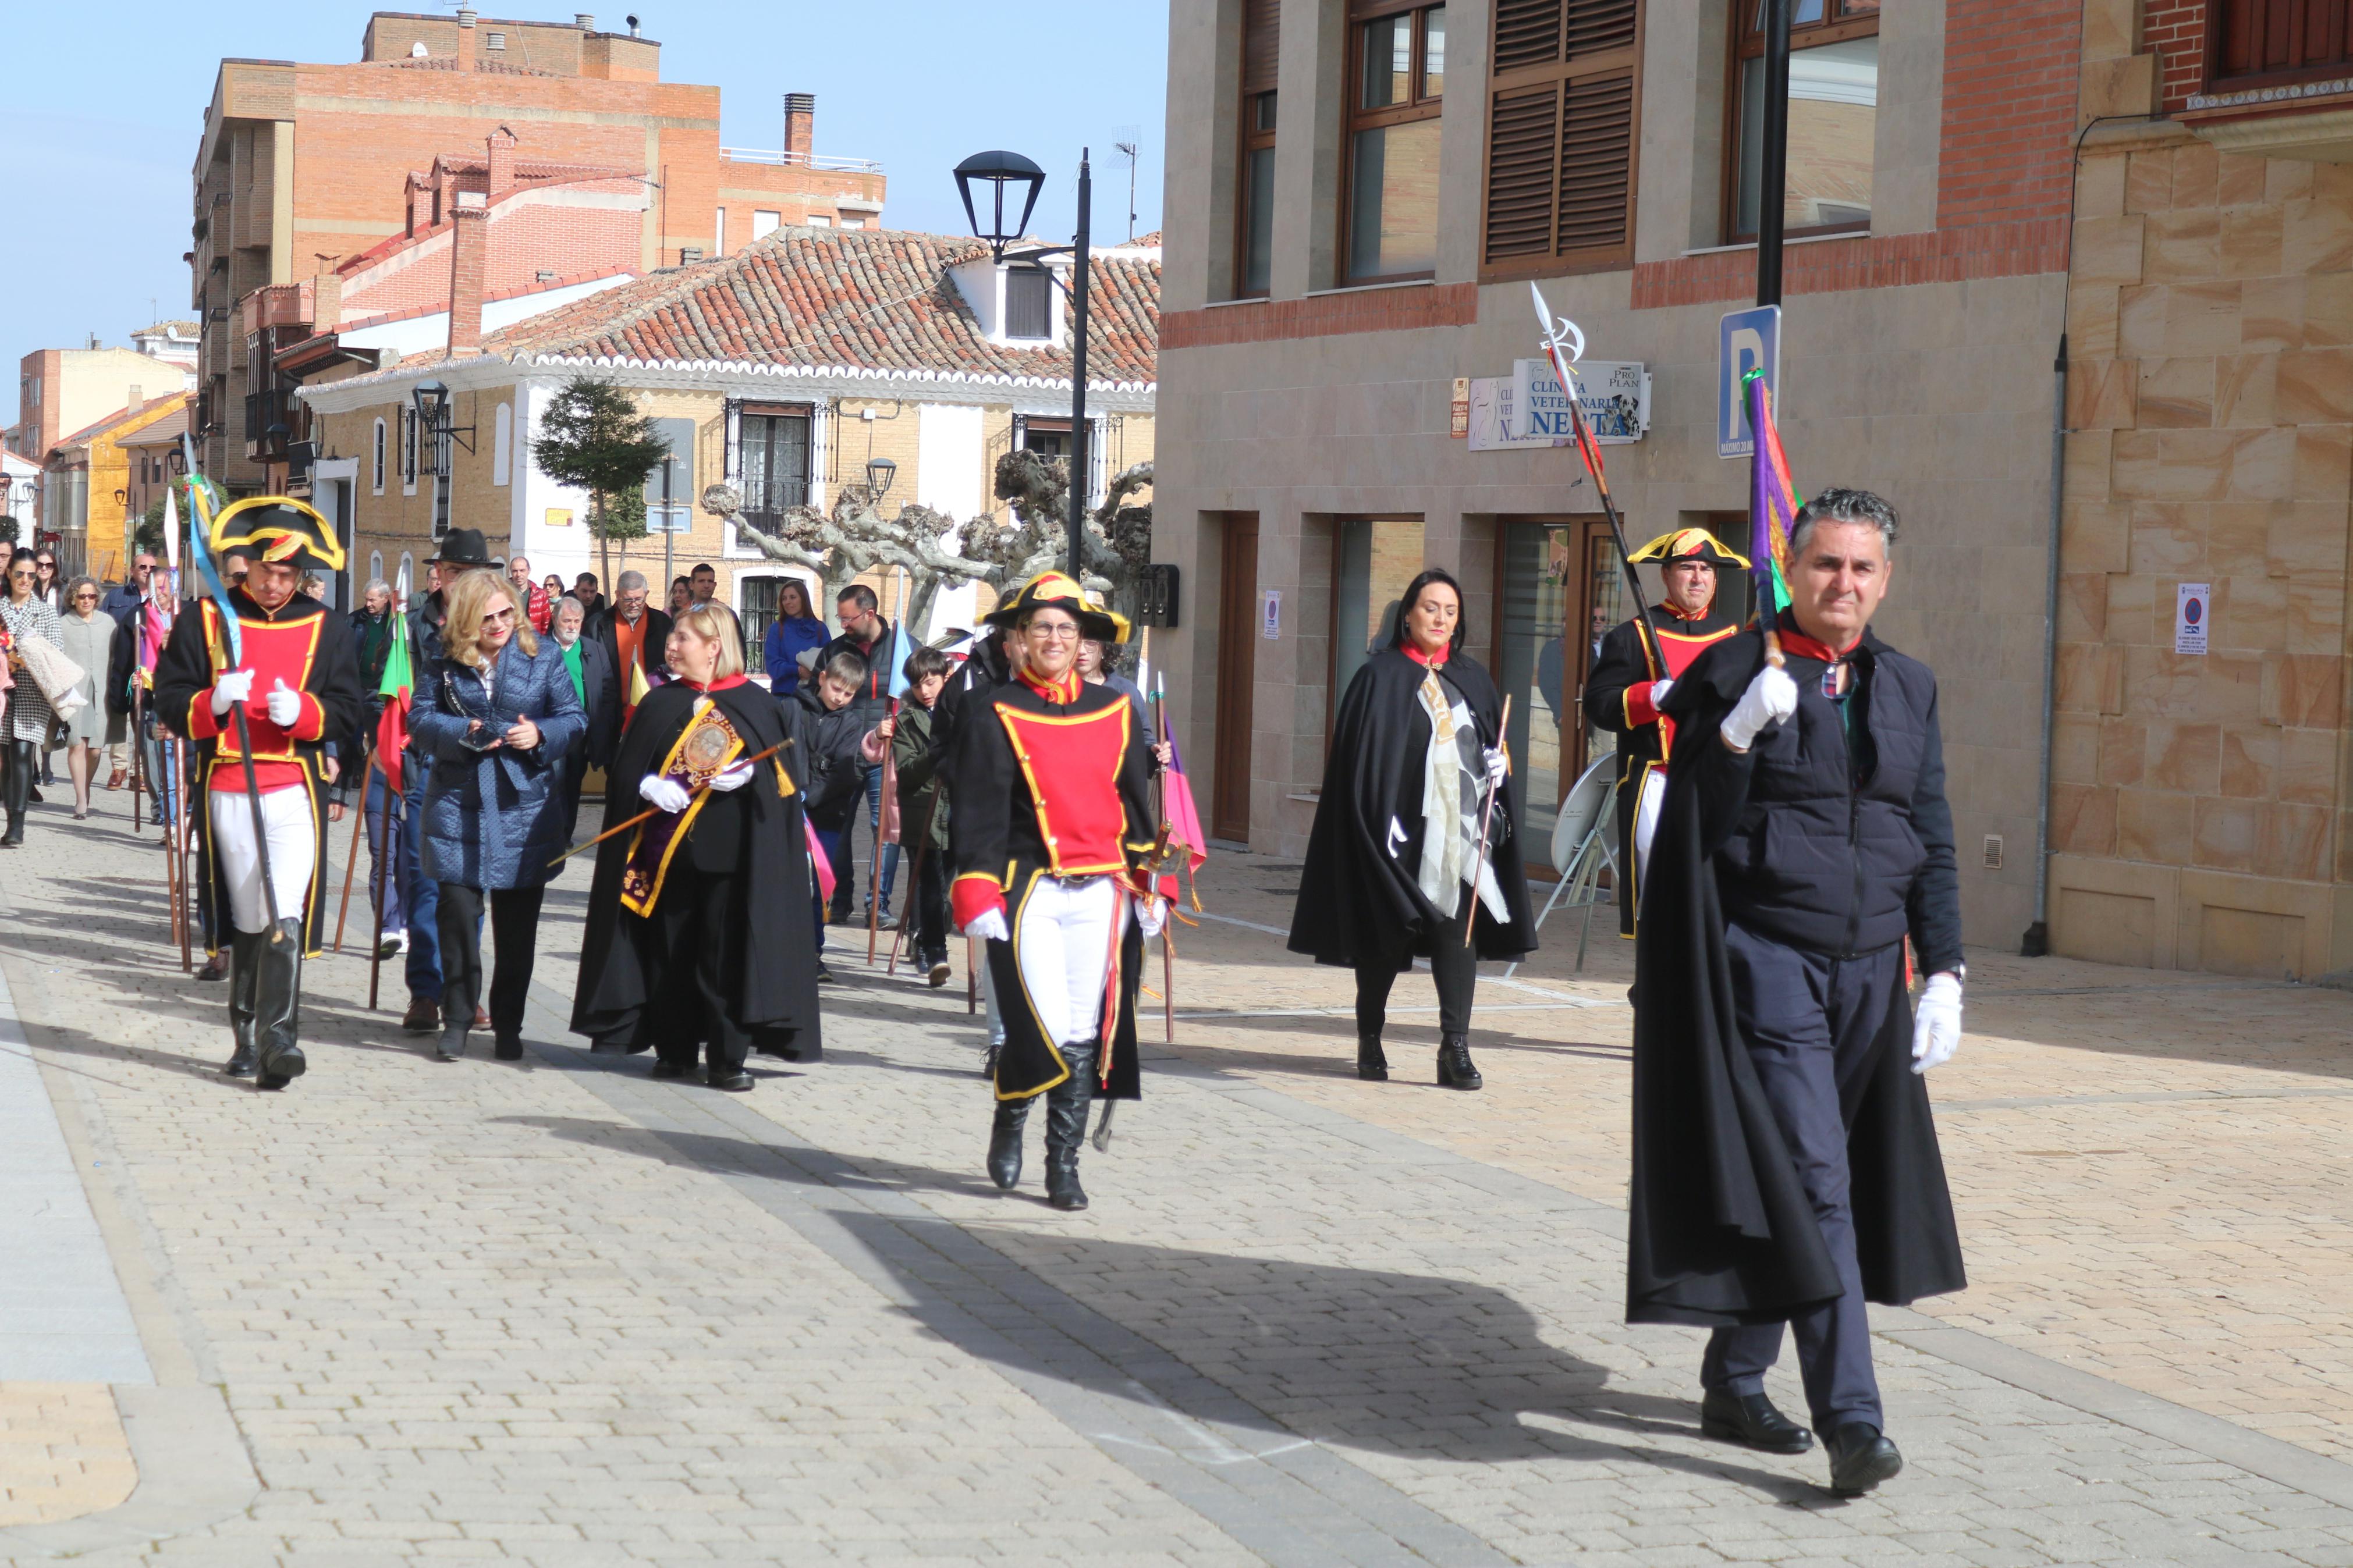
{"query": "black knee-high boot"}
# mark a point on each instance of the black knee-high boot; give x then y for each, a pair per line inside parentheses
(277, 1007)
(16, 789)
(244, 983)
(1005, 1142)
(1066, 1126)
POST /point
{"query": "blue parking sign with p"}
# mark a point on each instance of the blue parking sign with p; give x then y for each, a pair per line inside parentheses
(1745, 341)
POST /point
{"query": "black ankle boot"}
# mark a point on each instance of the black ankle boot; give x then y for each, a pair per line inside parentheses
(1371, 1064)
(1066, 1127)
(1005, 1142)
(244, 980)
(1454, 1069)
(277, 1007)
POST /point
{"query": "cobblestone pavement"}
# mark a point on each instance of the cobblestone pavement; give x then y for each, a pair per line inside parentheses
(553, 1312)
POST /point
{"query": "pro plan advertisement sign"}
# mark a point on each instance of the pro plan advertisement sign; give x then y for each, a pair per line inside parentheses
(2194, 607)
(1616, 394)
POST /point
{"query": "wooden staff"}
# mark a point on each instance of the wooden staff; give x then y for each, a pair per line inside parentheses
(352, 859)
(882, 810)
(1486, 819)
(655, 810)
(138, 739)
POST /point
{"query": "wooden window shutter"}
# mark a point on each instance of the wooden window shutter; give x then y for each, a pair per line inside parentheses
(1261, 43)
(1560, 135)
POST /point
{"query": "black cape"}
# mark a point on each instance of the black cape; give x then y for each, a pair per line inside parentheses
(1720, 1231)
(630, 988)
(1359, 904)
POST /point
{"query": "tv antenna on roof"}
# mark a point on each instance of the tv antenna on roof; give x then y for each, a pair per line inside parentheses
(1129, 147)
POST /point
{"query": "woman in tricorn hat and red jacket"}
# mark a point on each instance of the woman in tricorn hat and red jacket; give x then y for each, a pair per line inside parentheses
(1053, 841)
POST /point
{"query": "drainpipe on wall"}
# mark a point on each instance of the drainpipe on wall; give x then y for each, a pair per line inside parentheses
(2036, 944)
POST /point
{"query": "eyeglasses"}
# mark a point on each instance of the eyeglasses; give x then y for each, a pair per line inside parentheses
(1053, 634)
(492, 616)
(85, 598)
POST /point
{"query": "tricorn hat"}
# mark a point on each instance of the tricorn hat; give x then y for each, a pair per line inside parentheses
(1689, 544)
(276, 528)
(1056, 589)
(465, 547)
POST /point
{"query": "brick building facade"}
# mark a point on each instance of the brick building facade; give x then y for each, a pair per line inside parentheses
(303, 161)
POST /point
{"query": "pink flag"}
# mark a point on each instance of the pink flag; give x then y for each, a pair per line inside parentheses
(818, 857)
(1184, 817)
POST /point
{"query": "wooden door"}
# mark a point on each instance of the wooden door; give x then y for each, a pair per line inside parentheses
(1230, 805)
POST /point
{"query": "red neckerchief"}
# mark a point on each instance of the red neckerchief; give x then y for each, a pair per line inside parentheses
(724, 683)
(1064, 691)
(1796, 642)
(1682, 615)
(1433, 660)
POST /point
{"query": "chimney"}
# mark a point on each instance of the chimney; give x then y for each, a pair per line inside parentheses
(501, 162)
(584, 21)
(800, 126)
(467, 241)
(465, 38)
(326, 297)
(133, 400)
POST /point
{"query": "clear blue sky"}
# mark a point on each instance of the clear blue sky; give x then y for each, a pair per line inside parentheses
(94, 205)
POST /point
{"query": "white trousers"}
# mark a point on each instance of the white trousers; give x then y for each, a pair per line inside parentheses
(1646, 820)
(293, 848)
(1064, 943)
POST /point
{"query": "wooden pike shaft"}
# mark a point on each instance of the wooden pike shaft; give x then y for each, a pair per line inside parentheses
(652, 810)
(351, 857)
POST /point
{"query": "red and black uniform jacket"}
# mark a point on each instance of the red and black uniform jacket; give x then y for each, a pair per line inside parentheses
(300, 643)
(1617, 698)
(1052, 779)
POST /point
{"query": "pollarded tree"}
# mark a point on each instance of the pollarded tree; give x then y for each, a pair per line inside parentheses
(593, 437)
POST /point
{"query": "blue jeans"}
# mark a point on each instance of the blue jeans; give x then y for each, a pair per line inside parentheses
(380, 847)
(890, 851)
(419, 894)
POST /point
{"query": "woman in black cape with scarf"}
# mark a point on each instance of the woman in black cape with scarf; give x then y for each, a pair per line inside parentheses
(1392, 869)
(699, 919)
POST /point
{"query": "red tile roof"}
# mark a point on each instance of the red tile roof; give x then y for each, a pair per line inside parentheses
(861, 299)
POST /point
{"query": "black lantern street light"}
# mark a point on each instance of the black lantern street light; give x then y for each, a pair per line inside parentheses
(880, 472)
(1001, 170)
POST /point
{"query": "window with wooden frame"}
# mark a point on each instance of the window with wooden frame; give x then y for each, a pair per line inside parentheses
(1833, 116)
(1254, 179)
(1396, 77)
(1561, 105)
(2275, 43)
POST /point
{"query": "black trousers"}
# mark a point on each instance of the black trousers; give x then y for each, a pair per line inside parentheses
(514, 926)
(927, 911)
(1812, 1024)
(698, 912)
(1452, 965)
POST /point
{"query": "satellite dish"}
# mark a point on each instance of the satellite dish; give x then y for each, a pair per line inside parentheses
(417, 51)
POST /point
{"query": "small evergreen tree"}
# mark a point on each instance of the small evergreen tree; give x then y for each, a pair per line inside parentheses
(149, 534)
(593, 437)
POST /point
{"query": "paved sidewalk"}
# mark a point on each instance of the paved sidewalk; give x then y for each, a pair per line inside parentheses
(554, 1312)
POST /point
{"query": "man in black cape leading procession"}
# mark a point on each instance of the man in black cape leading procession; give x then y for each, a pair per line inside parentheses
(1785, 1164)
(699, 924)
(1393, 867)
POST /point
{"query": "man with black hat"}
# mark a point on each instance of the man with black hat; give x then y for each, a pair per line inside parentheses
(1053, 839)
(1636, 667)
(262, 832)
(462, 549)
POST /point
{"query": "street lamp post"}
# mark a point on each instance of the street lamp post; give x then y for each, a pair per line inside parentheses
(997, 171)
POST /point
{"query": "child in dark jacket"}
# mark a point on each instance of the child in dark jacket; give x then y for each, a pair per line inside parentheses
(833, 744)
(923, 812)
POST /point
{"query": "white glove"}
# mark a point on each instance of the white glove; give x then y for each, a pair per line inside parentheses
(1497, 766)
(734, 777)
(1936, 1022)
(230, 688)
(667, 794)
(1151, 914)
(1770, 698)
(1659, 689)
(285, 705)
(988, 925)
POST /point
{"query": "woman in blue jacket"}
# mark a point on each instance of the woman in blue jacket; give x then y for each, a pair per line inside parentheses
(795, 629)
(496, 713)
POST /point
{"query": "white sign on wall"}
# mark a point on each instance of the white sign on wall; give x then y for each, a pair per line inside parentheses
(1491, 418)
(1270, 615)
(1616, 394)
(2194, 607)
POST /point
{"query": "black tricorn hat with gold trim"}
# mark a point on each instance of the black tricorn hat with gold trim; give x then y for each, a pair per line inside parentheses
(277, 529)
(1689, 544)
(1056, 589)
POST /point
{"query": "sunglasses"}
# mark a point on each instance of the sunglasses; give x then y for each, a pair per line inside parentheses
(505, 614)
(85, 598)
